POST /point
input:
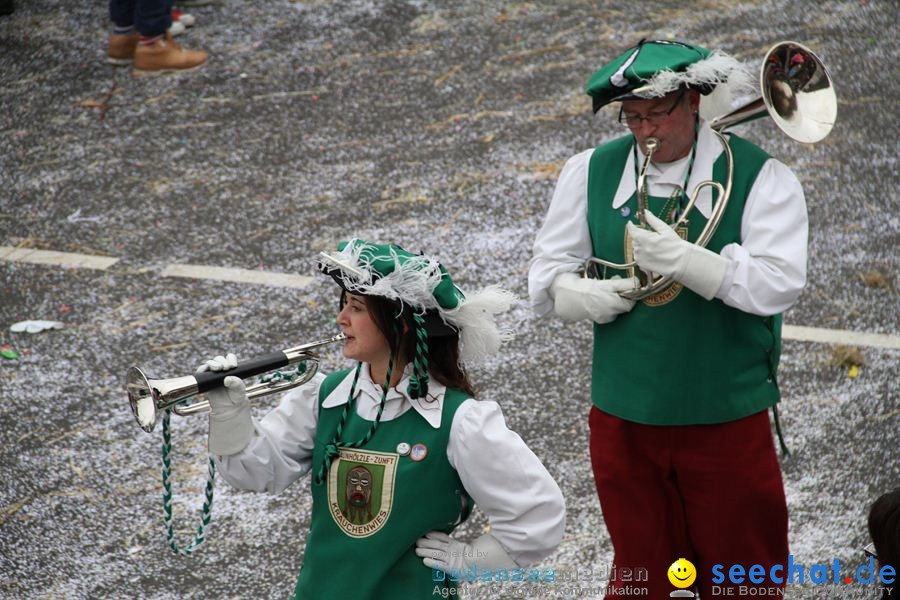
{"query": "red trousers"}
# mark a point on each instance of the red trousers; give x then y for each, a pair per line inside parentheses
(709, 493)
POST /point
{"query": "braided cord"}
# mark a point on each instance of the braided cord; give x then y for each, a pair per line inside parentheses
(332, 448)
(289, 376)
(206, 515)
(418, 382)
(682, 201)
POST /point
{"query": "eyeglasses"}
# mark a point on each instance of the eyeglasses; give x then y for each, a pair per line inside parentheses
(869, 550)
(654, 118)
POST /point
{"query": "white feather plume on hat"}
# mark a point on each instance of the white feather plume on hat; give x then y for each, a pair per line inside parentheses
(729, 76)
(475, 317)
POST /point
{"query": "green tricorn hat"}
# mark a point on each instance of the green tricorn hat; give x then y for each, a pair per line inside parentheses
(655, 68)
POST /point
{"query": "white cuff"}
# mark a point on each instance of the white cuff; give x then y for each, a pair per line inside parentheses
(230, 436)
(568, 304)
(487, 553)
(703, 271)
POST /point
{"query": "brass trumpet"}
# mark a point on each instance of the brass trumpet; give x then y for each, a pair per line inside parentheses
(151, 397)
(796, 92)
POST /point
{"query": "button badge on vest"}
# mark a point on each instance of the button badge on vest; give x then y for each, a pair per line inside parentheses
(403, 449)
(418, 452)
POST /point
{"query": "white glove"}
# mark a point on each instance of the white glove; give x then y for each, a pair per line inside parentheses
(230, 426)
(663, 251)
(440, 551)
(577, 298)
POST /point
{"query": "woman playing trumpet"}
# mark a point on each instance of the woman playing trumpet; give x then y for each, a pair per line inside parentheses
(398, 447)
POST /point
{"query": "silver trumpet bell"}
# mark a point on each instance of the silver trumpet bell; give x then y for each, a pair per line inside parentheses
(150, 397)
(797, 93)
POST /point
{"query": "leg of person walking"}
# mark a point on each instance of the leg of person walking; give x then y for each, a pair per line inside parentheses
(124, 37)
(641, 505)
(157, 52)
(730, 480)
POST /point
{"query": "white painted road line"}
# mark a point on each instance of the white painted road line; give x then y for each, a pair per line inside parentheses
(838, 336)
(237, 275)
(87, 261)
(62, 259)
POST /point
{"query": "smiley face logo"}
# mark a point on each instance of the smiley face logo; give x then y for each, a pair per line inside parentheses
(682, 573)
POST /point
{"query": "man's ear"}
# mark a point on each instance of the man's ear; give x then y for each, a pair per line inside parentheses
(693, 101)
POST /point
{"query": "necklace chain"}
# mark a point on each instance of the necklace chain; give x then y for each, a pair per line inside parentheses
(679, 194)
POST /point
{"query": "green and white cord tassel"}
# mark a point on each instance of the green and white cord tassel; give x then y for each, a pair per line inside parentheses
(418, 381)
(333, 448)
(206, 515)
(289, 376)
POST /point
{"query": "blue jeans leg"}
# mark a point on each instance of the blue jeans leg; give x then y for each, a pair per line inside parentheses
(121, 12)
(149, 17)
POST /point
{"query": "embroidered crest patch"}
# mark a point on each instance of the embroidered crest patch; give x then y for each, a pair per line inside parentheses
(361, 490)
(668, 294)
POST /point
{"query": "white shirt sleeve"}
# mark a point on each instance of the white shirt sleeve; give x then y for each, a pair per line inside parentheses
(507, 481)
(564, 241)
(280, 451)
(767, 270)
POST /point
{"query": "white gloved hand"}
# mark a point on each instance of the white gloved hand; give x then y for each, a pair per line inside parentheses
(440, 551)
(576, 298)
(230, 425)
(663, 251)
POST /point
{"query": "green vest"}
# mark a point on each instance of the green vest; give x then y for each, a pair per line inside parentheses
(375, 504)
(686, 360)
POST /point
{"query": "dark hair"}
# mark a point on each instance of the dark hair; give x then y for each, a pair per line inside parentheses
(884, 528)
(443, 350)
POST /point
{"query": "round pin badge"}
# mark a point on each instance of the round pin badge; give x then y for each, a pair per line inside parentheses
(625, 211)
(402, 448)
(418, 452)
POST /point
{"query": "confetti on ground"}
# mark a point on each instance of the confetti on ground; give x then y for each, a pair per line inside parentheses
(34, 326)
(281, 146)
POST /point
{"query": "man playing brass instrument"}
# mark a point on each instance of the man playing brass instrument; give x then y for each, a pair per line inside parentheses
(681, 447)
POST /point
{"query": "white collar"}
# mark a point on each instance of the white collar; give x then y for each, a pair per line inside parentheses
(708, 150)
(430, 408)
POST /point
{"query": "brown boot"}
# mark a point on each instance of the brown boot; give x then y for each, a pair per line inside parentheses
(121, 49)
(165, 55)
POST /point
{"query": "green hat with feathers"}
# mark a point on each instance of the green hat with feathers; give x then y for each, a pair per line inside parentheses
(654, 68)
(424, 285)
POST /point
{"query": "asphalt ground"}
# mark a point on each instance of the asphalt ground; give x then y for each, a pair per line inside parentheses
(441, 127)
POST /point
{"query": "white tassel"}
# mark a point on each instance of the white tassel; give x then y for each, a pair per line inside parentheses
(476, 320)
